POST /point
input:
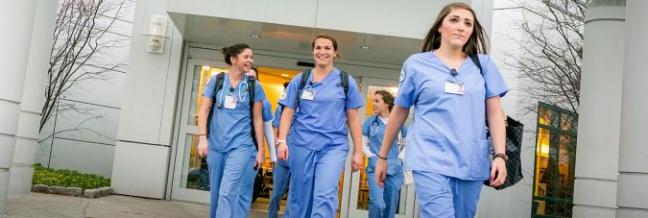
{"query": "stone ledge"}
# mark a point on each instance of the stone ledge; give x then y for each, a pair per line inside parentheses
(72, 191)
(97, 192)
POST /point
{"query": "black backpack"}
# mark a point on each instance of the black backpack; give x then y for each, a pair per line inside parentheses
(219, 86)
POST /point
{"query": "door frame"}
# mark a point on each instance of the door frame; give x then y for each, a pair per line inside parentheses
(183, 129)
(354, 182)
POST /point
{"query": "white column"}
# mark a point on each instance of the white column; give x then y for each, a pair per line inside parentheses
(632, 197)
(597, 153)
(32, 98)
(142, 152)
(16, 21)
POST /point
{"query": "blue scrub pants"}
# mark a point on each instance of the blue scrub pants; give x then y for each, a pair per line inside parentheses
(443, 196)
(280, 175)
(383, 202)
(314, 180)
(227, 171)
(247, 189)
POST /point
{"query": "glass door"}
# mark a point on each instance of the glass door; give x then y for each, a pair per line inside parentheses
(359, 197)
(191, 177)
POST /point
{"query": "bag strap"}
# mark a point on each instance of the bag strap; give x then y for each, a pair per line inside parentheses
(300, 88)
(344, 78)
(219, 86)
(475, 60)
(251, 92)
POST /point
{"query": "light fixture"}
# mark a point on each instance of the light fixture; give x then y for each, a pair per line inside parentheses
(156, 33)
(284, 75)
(365, 47)
(205, 67)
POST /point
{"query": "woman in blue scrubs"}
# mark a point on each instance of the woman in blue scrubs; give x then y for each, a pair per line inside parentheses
(447, 149)
(317, 116)
(383, 201)
(229, 147)
(248, 182)
(280, 170)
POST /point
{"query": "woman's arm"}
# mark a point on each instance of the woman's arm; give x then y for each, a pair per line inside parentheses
(285, 124)
(353, 121)
(497, 128)
(203, 113)
(396, 120)
(258, 132)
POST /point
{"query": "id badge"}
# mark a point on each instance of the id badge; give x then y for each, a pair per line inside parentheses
(230, 102)
(454, 87)
(308, 95)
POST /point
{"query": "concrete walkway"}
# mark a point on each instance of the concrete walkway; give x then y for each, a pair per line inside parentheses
(48, 205)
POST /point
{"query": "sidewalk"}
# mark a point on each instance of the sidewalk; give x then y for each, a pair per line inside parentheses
(47, 205)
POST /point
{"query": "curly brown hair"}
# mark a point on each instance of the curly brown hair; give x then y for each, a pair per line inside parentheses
(387, 97)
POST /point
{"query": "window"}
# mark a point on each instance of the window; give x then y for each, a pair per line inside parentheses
(555, 158)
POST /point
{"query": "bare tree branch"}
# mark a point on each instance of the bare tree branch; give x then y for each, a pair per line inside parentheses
(551, 51)
(80, 36)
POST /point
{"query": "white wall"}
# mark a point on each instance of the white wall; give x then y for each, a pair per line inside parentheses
(515, 201)
(87, 120)
(410, 19)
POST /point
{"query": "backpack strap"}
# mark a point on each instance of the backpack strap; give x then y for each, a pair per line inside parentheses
(251, 92)
(219, 86)
(475, 60)
(300, 88)
(344, 78)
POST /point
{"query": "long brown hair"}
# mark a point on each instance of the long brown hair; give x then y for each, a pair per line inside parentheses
(476, 43)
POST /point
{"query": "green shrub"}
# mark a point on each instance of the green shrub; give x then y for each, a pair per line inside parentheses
(67, 178)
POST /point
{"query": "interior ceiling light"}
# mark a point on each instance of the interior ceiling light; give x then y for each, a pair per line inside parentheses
(365, 47)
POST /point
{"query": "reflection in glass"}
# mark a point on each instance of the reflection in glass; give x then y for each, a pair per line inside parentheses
(194, 170)
(555, 162)
(201, 77)
(542, 156)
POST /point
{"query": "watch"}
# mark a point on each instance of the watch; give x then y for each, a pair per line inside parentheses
(501, 155)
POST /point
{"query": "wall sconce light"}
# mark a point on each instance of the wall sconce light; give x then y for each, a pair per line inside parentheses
(156, 34)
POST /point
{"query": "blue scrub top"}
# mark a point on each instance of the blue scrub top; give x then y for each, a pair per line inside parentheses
(231, 128)
(266, 111)
(322, 121)
(275, 124)
(277, 116)
(374, 129)
(448, 135)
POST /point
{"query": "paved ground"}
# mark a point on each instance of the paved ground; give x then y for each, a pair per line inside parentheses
(47, 205)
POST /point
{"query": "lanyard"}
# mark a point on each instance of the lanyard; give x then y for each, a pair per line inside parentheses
(374, 126)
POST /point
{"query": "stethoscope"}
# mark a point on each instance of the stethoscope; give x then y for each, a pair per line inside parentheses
(374, 130)
(374, 126)
(242, 86)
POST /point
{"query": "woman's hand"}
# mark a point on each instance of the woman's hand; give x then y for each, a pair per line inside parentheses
(498, 172)
(282, 151)
(381, 172)
(202, 146)
(260, 158)
(358, 159)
